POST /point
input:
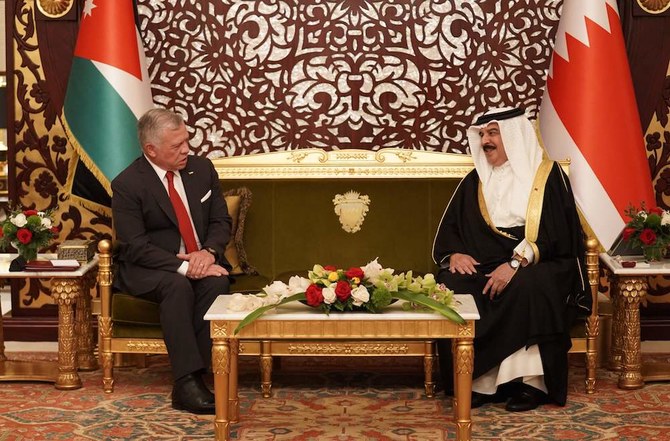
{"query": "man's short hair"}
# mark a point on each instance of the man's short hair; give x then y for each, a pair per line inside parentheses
(153, 122)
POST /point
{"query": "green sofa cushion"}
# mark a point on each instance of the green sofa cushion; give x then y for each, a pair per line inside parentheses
(129, 309)
(124, 330)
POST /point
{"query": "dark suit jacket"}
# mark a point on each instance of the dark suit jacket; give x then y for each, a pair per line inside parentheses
(146, 225)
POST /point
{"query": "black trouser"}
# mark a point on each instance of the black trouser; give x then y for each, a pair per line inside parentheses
(183, 304)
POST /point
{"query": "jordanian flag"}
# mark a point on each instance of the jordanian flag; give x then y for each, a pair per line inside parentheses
(108, 91)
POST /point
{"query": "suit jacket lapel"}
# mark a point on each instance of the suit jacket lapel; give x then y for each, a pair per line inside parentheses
(192, 195)
(158, 190)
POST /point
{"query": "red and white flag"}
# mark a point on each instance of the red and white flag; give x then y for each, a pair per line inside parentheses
(589, 114)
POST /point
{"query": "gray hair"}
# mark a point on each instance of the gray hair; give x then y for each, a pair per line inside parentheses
(153, 122)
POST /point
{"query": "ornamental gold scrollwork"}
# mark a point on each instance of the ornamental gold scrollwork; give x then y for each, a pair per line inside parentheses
(465, 330)
(348, 349)
(654, 6)
(148, 346)
(219, 329)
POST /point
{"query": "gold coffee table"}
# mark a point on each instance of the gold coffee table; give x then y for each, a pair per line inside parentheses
(71, 292)
(295, 321)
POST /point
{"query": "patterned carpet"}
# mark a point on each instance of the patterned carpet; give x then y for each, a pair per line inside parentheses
(328, 399)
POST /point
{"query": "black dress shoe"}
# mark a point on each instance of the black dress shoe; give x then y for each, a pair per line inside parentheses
(478, 400)
(527, 398)
(190, 394)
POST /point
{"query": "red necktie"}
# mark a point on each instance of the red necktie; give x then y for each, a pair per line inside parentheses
(184, 221)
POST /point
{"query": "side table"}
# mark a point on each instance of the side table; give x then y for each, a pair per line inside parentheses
(628, 286)
(70, 290)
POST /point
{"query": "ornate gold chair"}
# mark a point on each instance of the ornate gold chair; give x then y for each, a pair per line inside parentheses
(131, 325)
(585, 332)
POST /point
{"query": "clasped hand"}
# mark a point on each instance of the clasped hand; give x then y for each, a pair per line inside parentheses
(201, 264)
(498, 278)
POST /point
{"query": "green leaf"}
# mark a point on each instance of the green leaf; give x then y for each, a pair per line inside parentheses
(426, 301)
(253, 315)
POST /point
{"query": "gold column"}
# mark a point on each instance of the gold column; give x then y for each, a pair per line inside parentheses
(631, 290)
(66, 293)
(221, 368)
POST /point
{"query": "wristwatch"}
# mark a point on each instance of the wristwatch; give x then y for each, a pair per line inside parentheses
(213, 252)
(515, 263)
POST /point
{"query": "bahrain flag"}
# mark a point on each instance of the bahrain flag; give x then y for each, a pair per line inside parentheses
(589, 115)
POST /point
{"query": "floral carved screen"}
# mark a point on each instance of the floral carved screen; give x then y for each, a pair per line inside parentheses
(259, 76)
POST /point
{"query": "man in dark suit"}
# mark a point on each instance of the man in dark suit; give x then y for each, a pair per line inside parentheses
(172, 225)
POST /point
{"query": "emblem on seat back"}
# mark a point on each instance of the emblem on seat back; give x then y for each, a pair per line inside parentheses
(351, 207)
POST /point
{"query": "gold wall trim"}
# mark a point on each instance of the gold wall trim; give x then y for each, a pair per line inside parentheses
(349, 164)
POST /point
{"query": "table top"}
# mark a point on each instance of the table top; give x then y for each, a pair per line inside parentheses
(641, 268)
(465, 305)
(6, 258)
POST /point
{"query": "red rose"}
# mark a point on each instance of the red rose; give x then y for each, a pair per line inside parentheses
(354, 272)
(2, 233)
(24, 236)
(647, 236)
(313, 295)
(343, 290)
(330, 268)
(55, 229)
(627, 233)
(656, 210)
(30, 212)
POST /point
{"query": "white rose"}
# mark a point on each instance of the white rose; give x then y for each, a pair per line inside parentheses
(46, 222)
(329, 296)
(360, 295)
(642, 214)
(665, 219)
(277, 289)
(298, 284)
(19, 220)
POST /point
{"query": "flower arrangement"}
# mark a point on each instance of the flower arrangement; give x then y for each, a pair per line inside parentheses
(648, 229)
(369, 288)
(27, 231)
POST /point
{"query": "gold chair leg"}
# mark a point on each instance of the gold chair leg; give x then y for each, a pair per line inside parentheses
(106, 356)
(428, 368)
(266, 368)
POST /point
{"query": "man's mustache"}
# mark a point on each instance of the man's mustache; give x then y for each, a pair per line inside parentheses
(489, 147)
